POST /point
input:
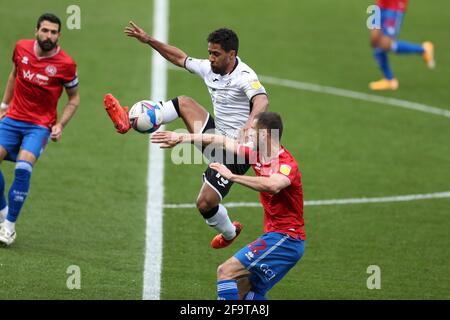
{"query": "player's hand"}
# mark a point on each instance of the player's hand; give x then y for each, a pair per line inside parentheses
(3, 113)
(166, 139)
(244, 134)
(56, 132)
(222, 170)
(134, 31)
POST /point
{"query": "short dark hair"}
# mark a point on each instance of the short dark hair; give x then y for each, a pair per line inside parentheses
(271, 121)
(227, 38)
(49, 17)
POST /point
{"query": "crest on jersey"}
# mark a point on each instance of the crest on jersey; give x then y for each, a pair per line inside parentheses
(25, 60)
(285, 169)
(50, 70)
(255, 84)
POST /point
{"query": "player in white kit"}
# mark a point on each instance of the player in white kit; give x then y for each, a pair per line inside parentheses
(237, 97)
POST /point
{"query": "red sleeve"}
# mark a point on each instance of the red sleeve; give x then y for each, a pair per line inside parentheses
(69, 77)
(288, 168)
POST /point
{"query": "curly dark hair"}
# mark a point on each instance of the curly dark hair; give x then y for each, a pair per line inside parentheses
(227, 38)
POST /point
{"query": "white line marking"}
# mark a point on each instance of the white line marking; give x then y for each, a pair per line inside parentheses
(409, 197)
(155, 175)
(355, 95)
(293, 84)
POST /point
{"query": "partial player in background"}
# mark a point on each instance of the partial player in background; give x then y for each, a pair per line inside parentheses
(264, 262)
(41, 70)
(386, 40)
(237, 96)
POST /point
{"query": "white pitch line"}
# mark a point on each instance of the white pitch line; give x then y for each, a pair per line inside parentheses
(403, 198)
(155, 175)
(355, 95)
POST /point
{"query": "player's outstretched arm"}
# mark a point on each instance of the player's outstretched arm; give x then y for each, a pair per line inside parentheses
(169, 139)
(273, 184)
(9, 92)
(170, 53)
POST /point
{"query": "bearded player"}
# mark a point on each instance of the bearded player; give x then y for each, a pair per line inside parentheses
(41, 70)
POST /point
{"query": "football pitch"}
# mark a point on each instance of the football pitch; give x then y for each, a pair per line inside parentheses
(88, 196)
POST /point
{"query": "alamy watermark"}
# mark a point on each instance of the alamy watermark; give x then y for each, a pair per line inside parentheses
(73, 21)
(74, 279)
(374, 19)
(374, 280)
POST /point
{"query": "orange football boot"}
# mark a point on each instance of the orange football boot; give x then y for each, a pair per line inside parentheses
(384, 84)
(117, 113)
(428, 54)
(219, 242)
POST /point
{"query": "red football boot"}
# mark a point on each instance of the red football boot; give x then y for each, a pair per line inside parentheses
(117, 113)
(220, 242)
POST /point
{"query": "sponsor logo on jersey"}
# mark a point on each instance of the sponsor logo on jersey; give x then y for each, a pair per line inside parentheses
(285, 169)
(28, 75)
(255, 84)
(41, 77)
(250, 255)
(268, 272)
(50, 70)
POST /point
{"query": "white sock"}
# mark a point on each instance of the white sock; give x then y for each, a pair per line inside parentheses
(169, 113)
(3, 214)
(222, 223)
(10, 226)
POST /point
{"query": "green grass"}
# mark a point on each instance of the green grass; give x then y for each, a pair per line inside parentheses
(86, 205)
(87, 201)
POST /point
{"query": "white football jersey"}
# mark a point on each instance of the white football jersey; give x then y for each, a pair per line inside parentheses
(230, 94)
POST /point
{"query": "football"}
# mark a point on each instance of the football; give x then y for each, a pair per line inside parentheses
(145, 116)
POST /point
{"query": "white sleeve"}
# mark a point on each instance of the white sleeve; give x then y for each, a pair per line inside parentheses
(250, 84)
(198, 66)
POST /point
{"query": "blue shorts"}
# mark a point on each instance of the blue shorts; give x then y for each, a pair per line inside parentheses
(269, 258)
(16, 135)
(391, 22)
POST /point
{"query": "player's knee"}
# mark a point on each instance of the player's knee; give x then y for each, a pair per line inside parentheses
(224, 272)
(185, 101)
(374, 42)
(385, 44)
(205, 205)
(375, 38)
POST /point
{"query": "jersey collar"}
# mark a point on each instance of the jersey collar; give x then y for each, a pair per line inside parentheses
(235, 66)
